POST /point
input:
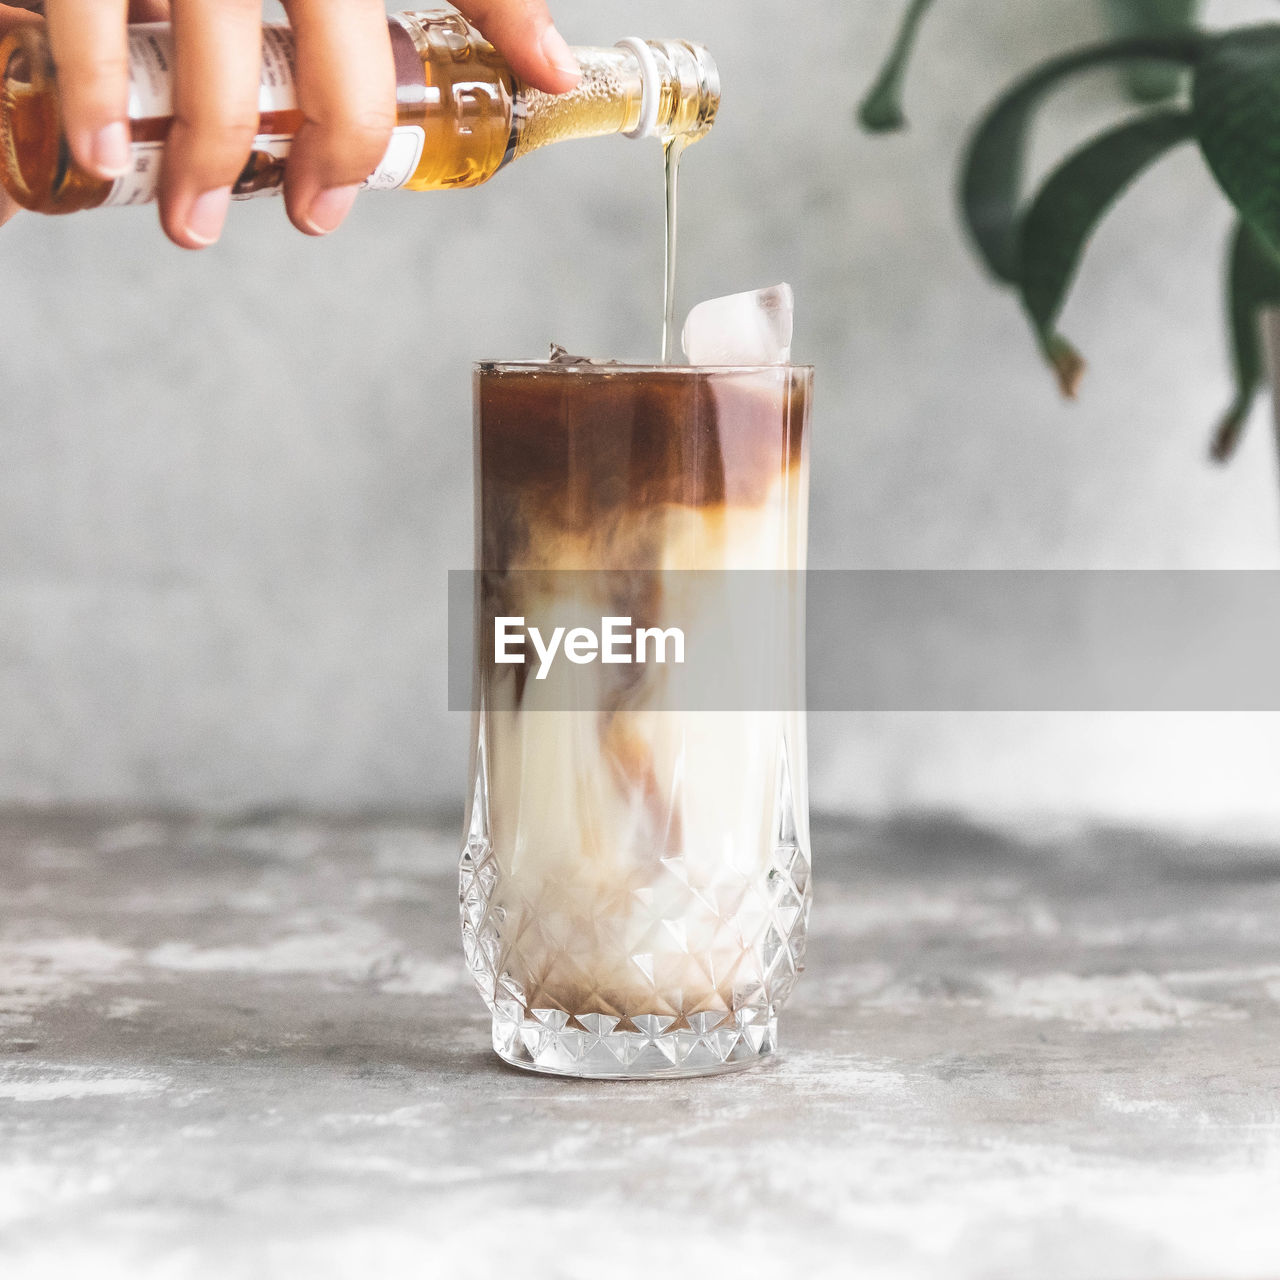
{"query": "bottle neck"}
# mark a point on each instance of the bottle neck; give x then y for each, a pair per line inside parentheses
(688, 87)
(653, 88)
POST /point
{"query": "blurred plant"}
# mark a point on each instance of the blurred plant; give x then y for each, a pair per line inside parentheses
(1220, 89)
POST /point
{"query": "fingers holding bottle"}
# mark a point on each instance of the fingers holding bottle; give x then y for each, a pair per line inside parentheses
(217, 56)
(89, 43)
(346, 84)
(524, 33)
(343, 74)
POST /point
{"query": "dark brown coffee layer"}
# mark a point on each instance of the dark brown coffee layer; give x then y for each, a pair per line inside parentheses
(585, 451)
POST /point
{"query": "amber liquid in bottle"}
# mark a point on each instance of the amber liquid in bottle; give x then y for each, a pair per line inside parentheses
(461, 114)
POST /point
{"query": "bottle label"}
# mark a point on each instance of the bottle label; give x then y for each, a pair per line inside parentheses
(137, 185)
(399, 161)
(151, 98)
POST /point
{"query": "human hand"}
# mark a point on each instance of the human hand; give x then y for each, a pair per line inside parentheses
(345, 85)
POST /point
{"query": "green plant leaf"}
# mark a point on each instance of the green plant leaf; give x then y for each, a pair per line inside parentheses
(1062, 217)
(881, 110)
(1253, 285)
(1236, 102)
(991, 174)
(1151, 81)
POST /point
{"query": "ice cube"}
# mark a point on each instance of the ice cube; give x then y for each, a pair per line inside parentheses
(741, 328)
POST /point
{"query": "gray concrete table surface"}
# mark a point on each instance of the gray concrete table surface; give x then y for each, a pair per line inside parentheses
(248, 1048)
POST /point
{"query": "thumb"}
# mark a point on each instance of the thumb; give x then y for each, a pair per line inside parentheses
(523, 32)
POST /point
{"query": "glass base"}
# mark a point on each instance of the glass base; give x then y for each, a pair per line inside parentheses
(595, 1047)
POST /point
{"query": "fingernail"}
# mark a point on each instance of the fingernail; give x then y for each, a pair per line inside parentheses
(329, 208)
(110, 149)
(207, 214)
(558, 53)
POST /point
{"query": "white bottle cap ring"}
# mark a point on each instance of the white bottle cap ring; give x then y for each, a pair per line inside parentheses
(650, 87)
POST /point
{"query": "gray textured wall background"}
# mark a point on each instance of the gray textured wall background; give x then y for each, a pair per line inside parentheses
(232, 483)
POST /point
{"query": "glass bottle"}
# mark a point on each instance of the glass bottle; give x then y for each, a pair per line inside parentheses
(460, 113)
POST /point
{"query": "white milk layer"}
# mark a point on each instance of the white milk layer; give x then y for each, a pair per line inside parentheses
(634, 836)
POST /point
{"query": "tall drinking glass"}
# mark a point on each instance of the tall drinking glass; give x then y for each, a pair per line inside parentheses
(635, 881)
